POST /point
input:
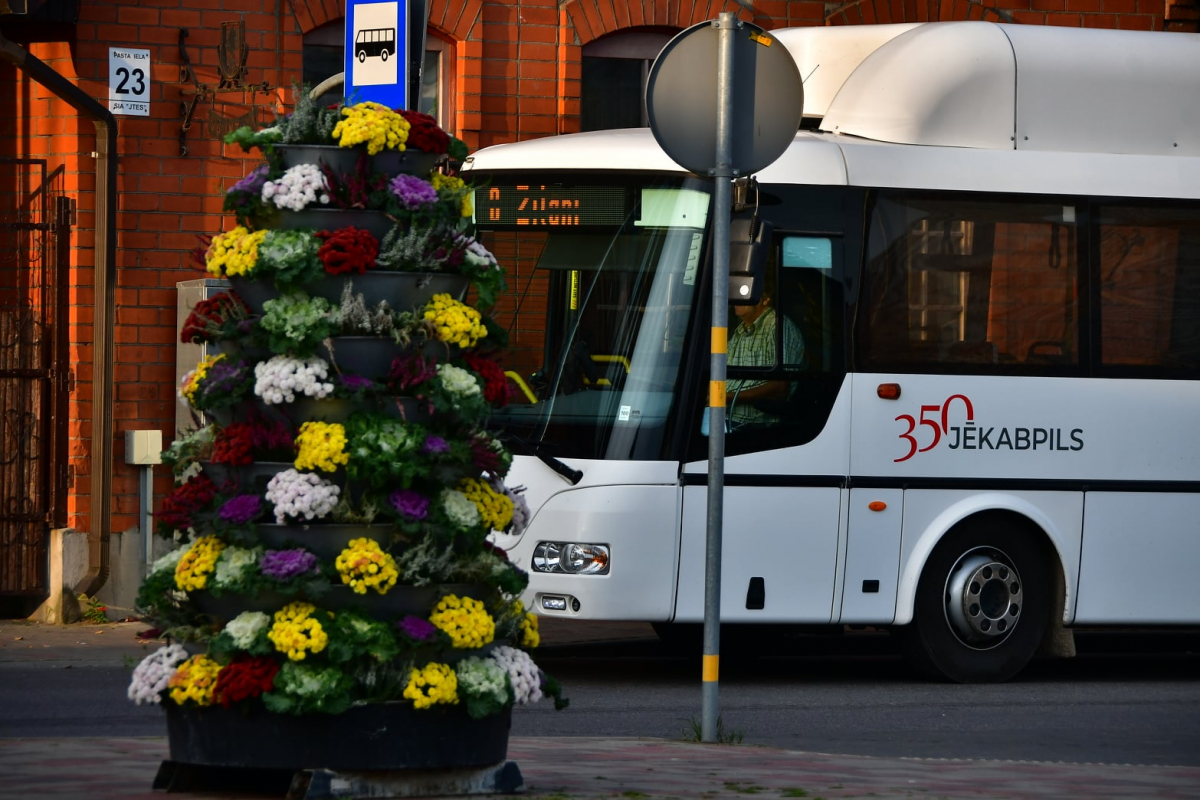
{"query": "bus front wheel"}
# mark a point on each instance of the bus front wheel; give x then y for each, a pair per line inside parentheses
(983, 603)
(362, 56)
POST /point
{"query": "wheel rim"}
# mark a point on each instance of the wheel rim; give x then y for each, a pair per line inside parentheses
(983, 598)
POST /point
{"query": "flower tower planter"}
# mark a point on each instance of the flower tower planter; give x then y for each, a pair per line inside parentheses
(335, 602)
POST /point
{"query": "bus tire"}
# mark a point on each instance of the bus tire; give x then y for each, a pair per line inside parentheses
(362, 56)
(384, 55)
(983, 603)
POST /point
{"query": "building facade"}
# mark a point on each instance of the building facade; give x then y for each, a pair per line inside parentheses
(75, 377)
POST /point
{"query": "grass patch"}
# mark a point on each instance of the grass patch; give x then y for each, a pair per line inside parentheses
(694, 731)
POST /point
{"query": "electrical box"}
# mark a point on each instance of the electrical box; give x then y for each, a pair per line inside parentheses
(143, 447)
(187, 356)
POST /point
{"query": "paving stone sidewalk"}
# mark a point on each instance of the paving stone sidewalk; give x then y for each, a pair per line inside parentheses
(586, 768)
(565, 768)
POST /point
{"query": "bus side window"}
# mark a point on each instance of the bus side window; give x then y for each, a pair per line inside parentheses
(963, 285)
(1150, 291)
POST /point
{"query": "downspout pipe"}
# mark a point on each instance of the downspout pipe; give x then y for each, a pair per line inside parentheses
(105, 288)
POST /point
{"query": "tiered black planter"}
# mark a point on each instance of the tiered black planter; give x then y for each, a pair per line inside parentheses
(380, 736)
(372, 737)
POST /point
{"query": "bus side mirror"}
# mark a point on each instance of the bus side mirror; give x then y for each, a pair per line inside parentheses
(749, 245)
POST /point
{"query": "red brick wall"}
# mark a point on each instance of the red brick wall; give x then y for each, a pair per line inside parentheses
(517, 66)
(164, 199)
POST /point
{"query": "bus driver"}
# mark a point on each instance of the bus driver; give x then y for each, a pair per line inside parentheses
(752, 344)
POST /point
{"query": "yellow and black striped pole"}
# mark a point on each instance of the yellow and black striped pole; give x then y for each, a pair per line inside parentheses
(722, 173)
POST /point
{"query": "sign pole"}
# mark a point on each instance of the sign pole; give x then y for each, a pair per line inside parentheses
(722, 173)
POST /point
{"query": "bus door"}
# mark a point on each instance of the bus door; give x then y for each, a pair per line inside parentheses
(787, 447)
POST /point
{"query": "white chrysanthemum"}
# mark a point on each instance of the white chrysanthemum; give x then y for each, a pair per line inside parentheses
(151, 676)
(281, 378)
(245, 627)
(301, 185)
(461, 511)
(233, 564)
(458, 381)
(479, 256)
(301, 495)
(523, 674)
(170, 560)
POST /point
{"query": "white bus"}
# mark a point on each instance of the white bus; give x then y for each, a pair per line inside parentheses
(988, 238)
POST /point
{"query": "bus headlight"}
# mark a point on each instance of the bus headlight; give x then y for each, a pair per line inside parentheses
(571, 558)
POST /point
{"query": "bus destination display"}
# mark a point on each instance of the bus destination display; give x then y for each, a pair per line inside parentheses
(542, 206)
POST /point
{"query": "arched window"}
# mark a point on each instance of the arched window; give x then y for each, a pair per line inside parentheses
(615, 68)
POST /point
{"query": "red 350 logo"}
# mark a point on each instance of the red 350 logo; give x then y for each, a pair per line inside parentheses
(935, 418)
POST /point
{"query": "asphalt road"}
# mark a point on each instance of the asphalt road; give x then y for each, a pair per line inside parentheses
(1132, 699)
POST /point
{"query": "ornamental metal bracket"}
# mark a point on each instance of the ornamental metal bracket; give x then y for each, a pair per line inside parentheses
(232, 52)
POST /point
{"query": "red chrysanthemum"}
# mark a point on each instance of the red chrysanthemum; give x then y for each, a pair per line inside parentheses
(244, 679)
(348, 250)
(495, 382)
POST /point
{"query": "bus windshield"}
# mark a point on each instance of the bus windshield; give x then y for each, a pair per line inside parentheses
(602, 275)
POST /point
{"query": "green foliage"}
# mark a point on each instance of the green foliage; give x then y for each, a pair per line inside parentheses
(296, 323)
(383, 450)
(247, 138)
(484, 687)
(94, 612)
(301, 126)
(290, 257)
(694, 732)
(458, 149)
(353, 636)
(553, 689)
(308, 688)
(189, 449)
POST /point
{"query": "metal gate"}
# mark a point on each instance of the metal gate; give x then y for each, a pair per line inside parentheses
(35, 241)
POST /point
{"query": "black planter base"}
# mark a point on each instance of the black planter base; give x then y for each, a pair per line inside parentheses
(385, 736)
(323, 784)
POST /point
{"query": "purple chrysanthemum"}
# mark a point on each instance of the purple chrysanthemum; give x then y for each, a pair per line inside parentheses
(283, 565)
(435, 444)
(241, 509)
(422, 630)
(412, 505)
(412, 192)
(224, 378)
(253, 182)
(355, 382)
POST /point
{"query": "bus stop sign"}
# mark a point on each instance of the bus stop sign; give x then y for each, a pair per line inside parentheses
(682, 93)
(377, 52)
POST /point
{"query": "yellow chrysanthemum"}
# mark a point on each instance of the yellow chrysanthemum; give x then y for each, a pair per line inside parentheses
(455, 322)
(436, 683)
(195, 680)
(373, 123)
(296, 632)
(465, 620)
(321, 445)
(495, 508)
(363, 565)
(198, 563)
(234, 252)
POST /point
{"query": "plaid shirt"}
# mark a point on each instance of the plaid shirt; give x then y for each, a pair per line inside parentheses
(753, 345)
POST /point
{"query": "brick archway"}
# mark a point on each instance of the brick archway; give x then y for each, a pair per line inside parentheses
(594, 18)
(868, 12)
(454, 18)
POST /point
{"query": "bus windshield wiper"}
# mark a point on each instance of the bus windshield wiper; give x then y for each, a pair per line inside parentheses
(535, 449)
